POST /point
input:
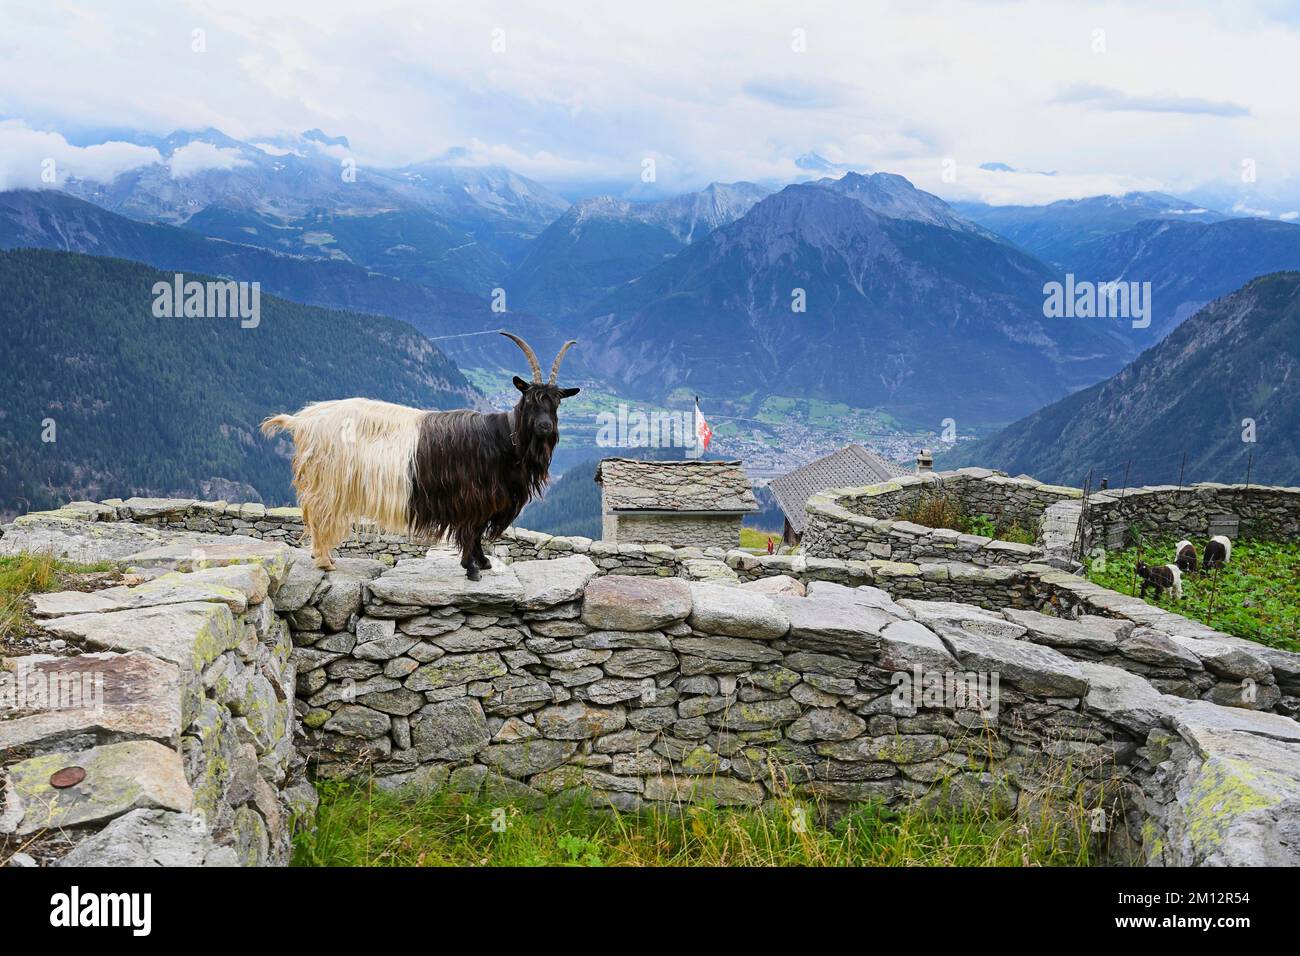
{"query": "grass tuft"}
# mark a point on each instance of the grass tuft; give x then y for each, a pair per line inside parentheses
(25, 574)
(947, 511)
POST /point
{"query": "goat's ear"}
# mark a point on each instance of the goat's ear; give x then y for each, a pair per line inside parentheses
(569, 392)
(520, 384)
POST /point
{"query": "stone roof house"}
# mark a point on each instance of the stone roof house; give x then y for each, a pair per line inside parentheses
(850, 467)
(677, 503)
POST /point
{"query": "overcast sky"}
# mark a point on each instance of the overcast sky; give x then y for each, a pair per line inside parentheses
(1109, 96)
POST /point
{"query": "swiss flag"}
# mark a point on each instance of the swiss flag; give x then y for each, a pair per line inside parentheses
(702, 429)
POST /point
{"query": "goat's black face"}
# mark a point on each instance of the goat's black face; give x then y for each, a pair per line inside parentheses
(539, 408)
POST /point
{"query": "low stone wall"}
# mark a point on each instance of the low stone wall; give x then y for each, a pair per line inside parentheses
(980, 491)
(546, 679)
(862, 523)
(989, 587)
(248, 520)
(1174, 653)
(643, 677)
(833, 531)
(1196, 512)
(154, 723)
(518, 544)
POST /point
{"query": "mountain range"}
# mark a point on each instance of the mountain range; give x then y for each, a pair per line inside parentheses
(905, 305)
(852, 288)
(1235, 360)
(49, 219)
(440, 222)
(602, 243)
(1189, 263)
(1054, 232)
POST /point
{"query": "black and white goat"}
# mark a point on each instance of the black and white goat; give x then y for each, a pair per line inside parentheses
(1217, 552)
(1161, 577)
(1185, 556)
(461, 473)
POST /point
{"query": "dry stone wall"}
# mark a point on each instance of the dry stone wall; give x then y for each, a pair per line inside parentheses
(545, 678)
(1195, 512)
(633, 676)
(153, 722)
(282, 525)
(548, 680)
(862, 523)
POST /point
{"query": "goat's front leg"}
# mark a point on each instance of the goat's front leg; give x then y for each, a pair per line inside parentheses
(480, 558)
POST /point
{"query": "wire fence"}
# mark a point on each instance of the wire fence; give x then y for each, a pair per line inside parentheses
(1171, 469)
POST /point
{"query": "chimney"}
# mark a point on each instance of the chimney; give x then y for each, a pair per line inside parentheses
(924, 462)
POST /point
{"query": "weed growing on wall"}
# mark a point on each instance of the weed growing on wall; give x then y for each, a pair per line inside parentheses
(947, 511)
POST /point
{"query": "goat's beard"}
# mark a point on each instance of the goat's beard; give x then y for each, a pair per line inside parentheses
(535, 457)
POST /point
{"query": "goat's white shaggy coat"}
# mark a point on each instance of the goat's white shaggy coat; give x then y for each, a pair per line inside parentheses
(1177, 588)
(352, 461)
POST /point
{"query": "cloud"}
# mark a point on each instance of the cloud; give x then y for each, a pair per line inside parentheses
(1114, 101)
(582, 94)
(794, 92)
(199, 157)
(271, 149)
(1289, 215)
(999, 187)
(34, 159)
(1245, 210)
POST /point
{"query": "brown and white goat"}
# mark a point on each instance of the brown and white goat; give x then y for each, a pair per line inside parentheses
(1185, 556)
(1217, 552)
(461, 474)
(1162, 577)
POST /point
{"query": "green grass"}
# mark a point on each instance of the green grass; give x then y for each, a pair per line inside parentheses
(26, 574)
(754, 538)
(1257, 596)
(359, 825)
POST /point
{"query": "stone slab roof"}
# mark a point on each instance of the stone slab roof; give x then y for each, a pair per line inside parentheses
(686, 486)
(849, 467)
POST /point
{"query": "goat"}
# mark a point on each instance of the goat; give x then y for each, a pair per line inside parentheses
(1217, 552)
(460, 473)
(1166, 576)
(1185, 556)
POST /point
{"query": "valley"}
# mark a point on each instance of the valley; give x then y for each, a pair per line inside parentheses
(842, 308)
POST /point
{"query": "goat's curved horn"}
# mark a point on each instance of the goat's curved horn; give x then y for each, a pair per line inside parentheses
(530, 355)
(555, 368)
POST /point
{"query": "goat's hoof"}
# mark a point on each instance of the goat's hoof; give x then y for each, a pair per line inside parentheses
(483, 564)
(325, 564)
(472, 573)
